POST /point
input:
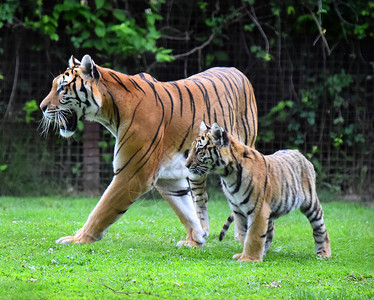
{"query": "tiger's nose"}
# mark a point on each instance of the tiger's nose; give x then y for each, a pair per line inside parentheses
(43, 106)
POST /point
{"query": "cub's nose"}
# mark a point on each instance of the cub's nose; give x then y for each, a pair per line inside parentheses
(188, 164)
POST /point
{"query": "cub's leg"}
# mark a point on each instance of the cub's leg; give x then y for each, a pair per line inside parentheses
(200, 198)
(312, 209)
(254, 243)
(176, 193)
(269, 235)
(241, 224)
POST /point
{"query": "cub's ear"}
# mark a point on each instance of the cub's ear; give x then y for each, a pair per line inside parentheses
(203, 127)
(88, 68)
(219, 135)
(73, 62)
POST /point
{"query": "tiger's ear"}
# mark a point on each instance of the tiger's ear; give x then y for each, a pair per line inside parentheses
(203, 127)
(88, 68)
(73, 62)
(219, 135)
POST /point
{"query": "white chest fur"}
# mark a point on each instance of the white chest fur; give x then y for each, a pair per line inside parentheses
(174, 169)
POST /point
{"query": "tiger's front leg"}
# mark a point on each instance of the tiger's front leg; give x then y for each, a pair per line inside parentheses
(200, 198)
(254, 243)
(115, 201)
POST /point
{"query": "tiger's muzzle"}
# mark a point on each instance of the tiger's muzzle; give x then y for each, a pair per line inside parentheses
(66, 120)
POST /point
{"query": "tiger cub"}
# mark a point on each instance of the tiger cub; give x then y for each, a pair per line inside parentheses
(259, 188)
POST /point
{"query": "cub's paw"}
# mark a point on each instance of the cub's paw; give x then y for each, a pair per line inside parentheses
(191, 244)
(237, 256)
(324, 254)
(245, 258)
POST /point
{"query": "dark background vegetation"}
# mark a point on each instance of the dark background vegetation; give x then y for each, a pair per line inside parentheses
(311, 64)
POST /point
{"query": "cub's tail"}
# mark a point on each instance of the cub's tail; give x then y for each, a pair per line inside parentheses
(226, 227)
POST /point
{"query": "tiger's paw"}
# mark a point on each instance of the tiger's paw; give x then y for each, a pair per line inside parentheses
(80, 237)
(206, 233)
(206, 229)
(67, 240)
(191, 244)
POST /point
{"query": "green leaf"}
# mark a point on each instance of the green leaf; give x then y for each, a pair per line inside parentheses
(290, 10)
(103, 144)
(221, 56)
(249, 27)
(100, 30)
(163, 55)
(80, 126)
(99, 3)
(120, 15)
(203, 5)
(30, 107)
(209, 59)
(3, 167)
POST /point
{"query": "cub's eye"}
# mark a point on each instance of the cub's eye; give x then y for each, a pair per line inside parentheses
(61, 88)
(200, 155)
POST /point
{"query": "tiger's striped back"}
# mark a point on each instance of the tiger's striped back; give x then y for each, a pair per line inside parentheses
(259, 189)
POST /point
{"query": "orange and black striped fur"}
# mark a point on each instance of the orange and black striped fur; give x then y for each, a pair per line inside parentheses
(154, 124)
(259, 188)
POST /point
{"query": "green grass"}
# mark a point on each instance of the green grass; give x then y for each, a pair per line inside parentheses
(138, 258)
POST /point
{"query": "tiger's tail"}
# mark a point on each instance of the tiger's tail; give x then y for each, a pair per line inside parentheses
(226, 226)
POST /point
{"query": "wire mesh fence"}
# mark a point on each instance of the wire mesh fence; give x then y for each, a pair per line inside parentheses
(337, 137)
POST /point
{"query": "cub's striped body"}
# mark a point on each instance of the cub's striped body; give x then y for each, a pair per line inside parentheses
(259, 189)
(154, 124)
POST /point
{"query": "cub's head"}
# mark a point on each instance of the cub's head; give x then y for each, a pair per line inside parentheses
(74, 96)
(209, 150)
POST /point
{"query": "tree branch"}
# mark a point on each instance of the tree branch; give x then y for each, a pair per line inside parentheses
(321, 34)
(192, 51)
(253, 18)
(9, 109)
(142, 292)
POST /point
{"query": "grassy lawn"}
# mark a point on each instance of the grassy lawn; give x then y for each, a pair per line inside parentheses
(138, 258)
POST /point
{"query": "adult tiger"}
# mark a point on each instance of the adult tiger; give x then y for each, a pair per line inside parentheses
(154, 124)
(259, 189)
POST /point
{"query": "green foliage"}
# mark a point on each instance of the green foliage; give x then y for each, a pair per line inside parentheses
(7, 11)
(30, 107)
(138, 257)
(22, 168)
(260, 53)
(145, 32)
(101, 26)
(325, 93)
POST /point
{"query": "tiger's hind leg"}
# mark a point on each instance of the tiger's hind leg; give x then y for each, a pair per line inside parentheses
(176, 193)
(313, 211)
(269, 235)
(200, 198)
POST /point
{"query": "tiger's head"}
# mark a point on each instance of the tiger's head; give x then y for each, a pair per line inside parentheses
(74, 96)
(209, 151)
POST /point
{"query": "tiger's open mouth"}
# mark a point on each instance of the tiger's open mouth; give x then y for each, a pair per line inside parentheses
(69, 121)
(66, 120)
